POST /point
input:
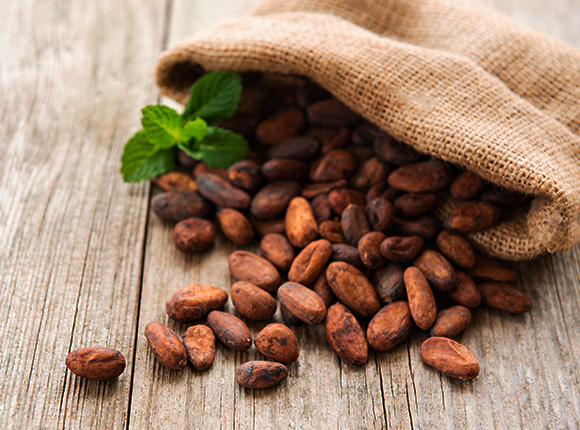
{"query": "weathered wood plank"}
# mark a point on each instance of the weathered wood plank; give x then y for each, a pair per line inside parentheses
(73, 77)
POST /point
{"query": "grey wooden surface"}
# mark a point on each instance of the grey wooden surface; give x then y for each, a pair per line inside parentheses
(82, 263)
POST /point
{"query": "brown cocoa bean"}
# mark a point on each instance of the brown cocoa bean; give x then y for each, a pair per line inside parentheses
(381, 214)
(425, 226)
(95, 362)
(175, 181)
(354, 223)
(278, 342)
(470, 216)
(368, 248)
(465, 292)
(488, 270)
(382, 190)
(390, 326)
(282, 168)
(222, 192)
(230, 330)
(410, 205)
(438, 271)
(245, 266)
(289, 318)
(340, 198)
(276, 249)
(335, 165)
(310, 262)
(179, 205)
(246, 174)
(401, 249)
(466, 186)
(504, 297)
(353, 289)
(273, 199)
(391, 151)
(451, 321)
(421, 300)
(302, 302)
(322, 288)
(331, 113)
(449, 357)
(370, 173)
(235, 226)
(332, 231)
(202, 167)
(314, 190)
(347, 253)
(280, 126)
(303, 148)
(301, 226)
(166, 346)
(268, 226)
(321, 208)
(502, 198)
(194, 302)
(334, 138)
(388, 283)
(345, 335)
(199, 342)
(193, 235)
(456, 248)
(252, 302)
(261, 374)
(421, 177)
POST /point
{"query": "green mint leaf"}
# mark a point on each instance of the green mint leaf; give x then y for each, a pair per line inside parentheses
(214, 96)
(221, 148)
(195, 129)
(143, 160)
(162, 125)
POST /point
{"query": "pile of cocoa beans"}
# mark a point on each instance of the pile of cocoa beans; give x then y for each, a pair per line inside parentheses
(348, 236)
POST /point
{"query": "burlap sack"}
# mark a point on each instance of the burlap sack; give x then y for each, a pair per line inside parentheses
(453, 79)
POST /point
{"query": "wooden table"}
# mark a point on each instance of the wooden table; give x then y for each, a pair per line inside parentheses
(82, 262)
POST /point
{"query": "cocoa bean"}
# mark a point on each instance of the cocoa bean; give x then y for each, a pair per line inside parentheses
(340, 198)
(425, 226)
(230, 330)
(438, 271)
(354, 223)
(235, 226)
(382, 190)
(466, 186)
(202, 167)
(252, 302)
(347, 253)
(245, 266)
(302, 302)
(314, 190)
(276, 249)
(335, 165)
(289, 318)
(280, 126)
(246, 174)
(456, 248)
(370, 173)
(273, 199)
(166, 346)
(410, 205)
(449, 357)
(268, 226)
(368, 248)
(390, 326)
(303, 148)
(421, 300)
(388, 283)
(199, 342)
(261, 374)
(278, 342)
(310, 262)
(321, 208)
(465, 292)
(503, 198)
(421, 177)
(364, 135)
(505, 297)
(488, 270)
(222, 192)
(391, 151)
(193, 235)
(470, 216)
(353, 289)
(179, 205)
(331, 113)
(175, 181)
(194, 302)
(95, 362)
(331, 231)
(301, 226)
(401, 249)
(381, 214)
(334, 138)
(345, 335)
(322, 288)
(281, 168)
(451, 321)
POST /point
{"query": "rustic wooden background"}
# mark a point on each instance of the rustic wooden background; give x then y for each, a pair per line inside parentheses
(82, 263)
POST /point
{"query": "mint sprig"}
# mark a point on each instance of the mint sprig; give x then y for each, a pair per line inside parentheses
(152, 150)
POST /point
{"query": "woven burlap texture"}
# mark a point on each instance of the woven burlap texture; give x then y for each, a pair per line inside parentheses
(454, 79)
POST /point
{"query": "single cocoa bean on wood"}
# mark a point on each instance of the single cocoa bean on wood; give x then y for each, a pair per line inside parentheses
(451, 321)
(368, 248)
(488, 270)
(95, 362)
(222, 192)
(261, 374)
(235, 226)
(345, 335)
(438, 271)
(193, 235)
(166, 346)
(388, 283)
(391, 325)
(301, 226)
(231, 330)
(401, 249)
(289, 318)
(310, 262)
(245, 266)
(456, 248)
(273, 199)
(278, 342)
(252, 302)
(246, 174)
(302, 302)
(449, 357)
(354, 224)
(194, 302)
(421, 300)
(175, 181)
(276, 249)
(505, 297)
(465, 292)
(322, 288)
(179, 205)
(199, 342)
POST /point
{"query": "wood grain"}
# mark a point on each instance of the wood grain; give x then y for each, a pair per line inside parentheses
(82, 263)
